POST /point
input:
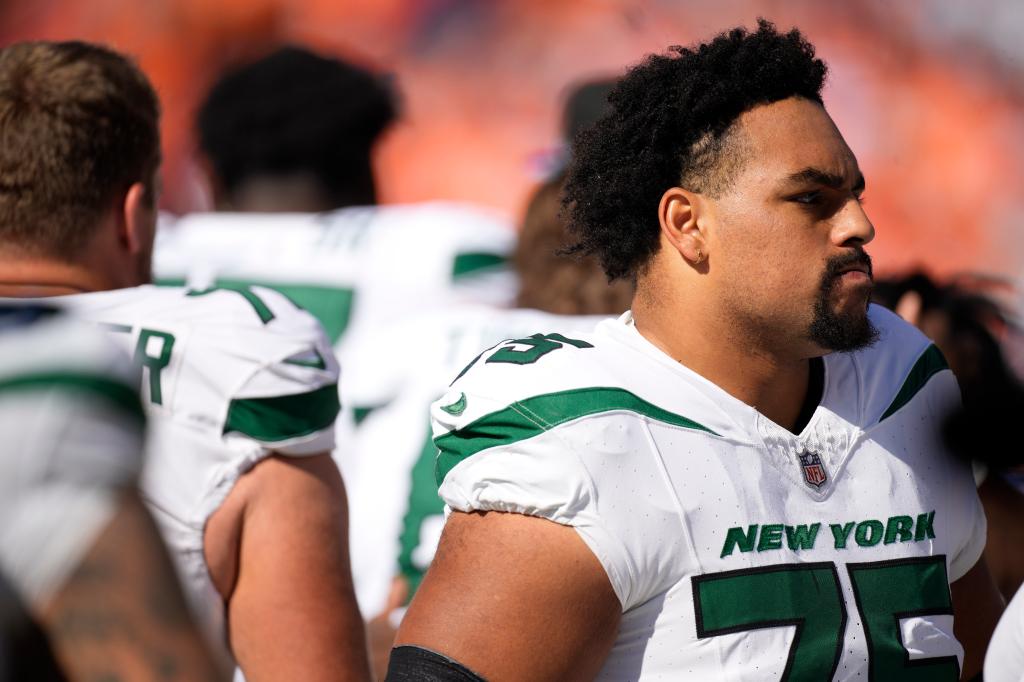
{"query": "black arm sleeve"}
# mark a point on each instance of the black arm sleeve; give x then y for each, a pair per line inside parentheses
(415, 664)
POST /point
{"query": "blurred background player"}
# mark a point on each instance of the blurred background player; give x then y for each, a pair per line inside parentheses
(969, 324)
(287, 143)
(397, 515)
(240, 386)
(292, 134)
(90, 591)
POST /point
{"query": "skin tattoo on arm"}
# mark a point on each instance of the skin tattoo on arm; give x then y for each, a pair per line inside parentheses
(121, 614)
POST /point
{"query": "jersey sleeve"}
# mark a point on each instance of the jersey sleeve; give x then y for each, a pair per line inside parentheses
(522, 456)
(73, 437)
(289, 402)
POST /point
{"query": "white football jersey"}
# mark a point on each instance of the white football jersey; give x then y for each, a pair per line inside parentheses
(353, 268)
(71, 436)
(1004, 661)
(739, 550)
(229, 377)
(395, 515)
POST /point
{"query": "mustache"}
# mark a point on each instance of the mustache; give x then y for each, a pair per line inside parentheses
(856, 257)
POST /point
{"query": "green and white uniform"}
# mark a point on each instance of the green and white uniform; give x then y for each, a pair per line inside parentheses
(1004, 660)
(228, 378)
(71, 436)
(355, 268)
(739, 551)
(395, 515)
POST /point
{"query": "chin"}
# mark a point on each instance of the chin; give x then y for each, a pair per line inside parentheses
(841, 330)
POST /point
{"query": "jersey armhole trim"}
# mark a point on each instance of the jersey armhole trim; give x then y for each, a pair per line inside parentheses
(285, 417)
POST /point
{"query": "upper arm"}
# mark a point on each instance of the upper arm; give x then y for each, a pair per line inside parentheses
(514, 597)
(292, 606)
(977, 606)
(121, 612)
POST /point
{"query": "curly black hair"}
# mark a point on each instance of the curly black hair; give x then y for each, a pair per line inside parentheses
(292, 111)
(669, 125)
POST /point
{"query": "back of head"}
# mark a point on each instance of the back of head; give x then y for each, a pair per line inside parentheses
(295, 113)
(78, 124)
(551, 281)
(670, 125)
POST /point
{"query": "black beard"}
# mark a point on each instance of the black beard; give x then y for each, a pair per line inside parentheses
(841, 333)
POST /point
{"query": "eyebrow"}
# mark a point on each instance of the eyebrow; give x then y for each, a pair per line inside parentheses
(820, 177)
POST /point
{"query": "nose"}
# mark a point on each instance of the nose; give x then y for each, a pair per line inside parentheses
(852, 226)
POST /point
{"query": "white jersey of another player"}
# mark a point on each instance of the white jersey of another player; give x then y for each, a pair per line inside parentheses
(229, 378)
(395, 515)
(1004, 660)
(737, 549)
(71, 437)
(353, 268)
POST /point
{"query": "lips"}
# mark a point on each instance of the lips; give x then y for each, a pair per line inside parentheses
(857, 262)
(858, 268)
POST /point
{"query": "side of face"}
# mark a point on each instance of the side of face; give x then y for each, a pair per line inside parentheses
(785, 236)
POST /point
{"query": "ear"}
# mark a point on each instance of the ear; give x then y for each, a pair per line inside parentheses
(679, 214)
(137, 219)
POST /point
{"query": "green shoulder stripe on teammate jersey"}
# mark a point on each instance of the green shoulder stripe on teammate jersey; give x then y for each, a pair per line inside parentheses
(119, 395)
(284, 417)
(527, 418)
(469, 263)
(930, 363)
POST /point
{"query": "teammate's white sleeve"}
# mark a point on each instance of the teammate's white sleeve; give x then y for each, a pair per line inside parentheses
(288, 401)
(72, 427)
(555, 474)
(1004, 661)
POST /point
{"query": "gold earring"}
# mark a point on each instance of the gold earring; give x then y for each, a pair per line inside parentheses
(700, 257)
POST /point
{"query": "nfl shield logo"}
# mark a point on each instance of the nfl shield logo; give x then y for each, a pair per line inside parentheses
(814, 472)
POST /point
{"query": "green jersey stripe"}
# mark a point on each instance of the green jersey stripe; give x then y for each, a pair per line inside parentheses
(527, 418)
(930, 363)
(121, 396)
(284, 417)
(468, 263)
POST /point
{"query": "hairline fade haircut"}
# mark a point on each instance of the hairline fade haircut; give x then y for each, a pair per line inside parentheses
(671, 124)
(79, 123)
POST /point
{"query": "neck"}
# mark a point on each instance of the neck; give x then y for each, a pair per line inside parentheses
(28, 277)
(741, 365)
(294, 193)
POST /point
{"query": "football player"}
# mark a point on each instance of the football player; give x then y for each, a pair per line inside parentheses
(286, 142)
(395, 503)
(90, 592)
(741, 478)
(395, 510)
(240, 385)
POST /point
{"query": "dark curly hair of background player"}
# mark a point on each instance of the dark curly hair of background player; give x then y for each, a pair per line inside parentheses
(669, 125)
(295, 111)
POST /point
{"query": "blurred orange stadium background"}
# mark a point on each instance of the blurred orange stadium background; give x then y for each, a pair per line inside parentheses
(928, 94)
